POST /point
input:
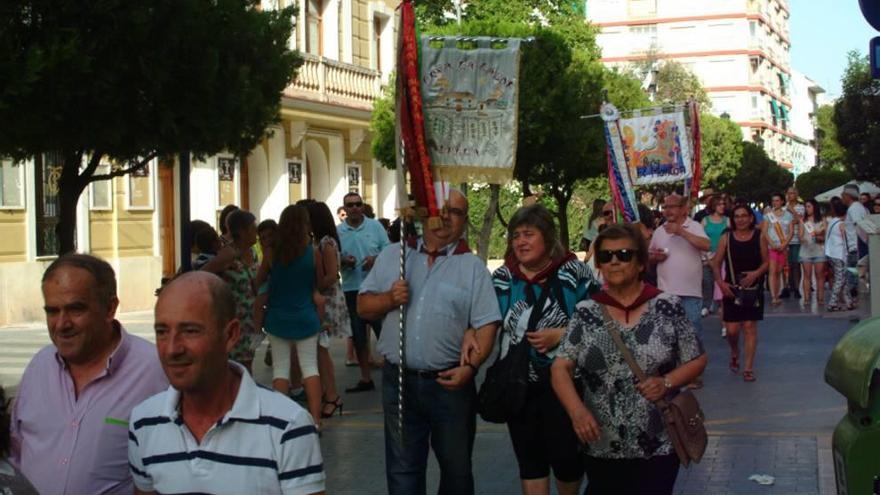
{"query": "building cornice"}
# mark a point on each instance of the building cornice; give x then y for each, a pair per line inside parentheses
(691, 18)
(709, 53)
(749, 88)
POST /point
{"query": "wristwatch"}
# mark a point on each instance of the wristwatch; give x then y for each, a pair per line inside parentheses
(667, 383)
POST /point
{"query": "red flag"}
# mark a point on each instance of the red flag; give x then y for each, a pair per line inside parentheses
(697, 177)
(411, 121)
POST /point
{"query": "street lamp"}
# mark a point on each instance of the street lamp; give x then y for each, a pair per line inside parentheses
(725, 115)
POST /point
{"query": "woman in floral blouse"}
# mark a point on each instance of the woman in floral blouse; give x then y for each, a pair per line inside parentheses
(626, 444)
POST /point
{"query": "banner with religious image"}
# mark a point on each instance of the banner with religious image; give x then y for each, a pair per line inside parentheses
(470, 100)
(656, 148)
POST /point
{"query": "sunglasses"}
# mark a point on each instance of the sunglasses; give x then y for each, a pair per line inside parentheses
(622, 255)
(359, 204)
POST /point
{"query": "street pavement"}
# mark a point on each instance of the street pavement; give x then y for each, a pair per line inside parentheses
(780, 425)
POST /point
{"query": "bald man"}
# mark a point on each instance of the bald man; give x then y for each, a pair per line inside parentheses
(214, 430)
(447, 291)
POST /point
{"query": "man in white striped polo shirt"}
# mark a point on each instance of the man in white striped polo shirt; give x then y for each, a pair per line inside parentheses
(215, 430)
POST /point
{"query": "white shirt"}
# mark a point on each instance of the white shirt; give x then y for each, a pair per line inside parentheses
(265, 444)
(854, 214)
(834, 241)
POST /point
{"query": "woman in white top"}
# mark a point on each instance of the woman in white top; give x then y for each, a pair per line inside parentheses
(812, 256)
(835, 252)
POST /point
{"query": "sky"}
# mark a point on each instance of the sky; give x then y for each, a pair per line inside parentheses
(822, 32)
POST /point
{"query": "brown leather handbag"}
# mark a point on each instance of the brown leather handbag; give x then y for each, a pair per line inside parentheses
(683, 415)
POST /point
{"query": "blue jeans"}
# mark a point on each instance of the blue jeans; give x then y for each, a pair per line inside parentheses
(692, 306)
(433, 417)
(359, 334)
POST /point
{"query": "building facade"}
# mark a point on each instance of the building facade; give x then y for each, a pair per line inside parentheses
(739, 49)
(806, 96)
(320, 150)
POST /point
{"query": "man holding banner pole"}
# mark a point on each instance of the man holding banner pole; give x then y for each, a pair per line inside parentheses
(447, 290)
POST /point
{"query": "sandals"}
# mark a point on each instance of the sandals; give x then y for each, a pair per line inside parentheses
(748, 376)
(734, 364)
(832, 309)
(336, 403)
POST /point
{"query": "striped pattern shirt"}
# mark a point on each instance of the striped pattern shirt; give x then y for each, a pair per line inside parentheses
(265, 444)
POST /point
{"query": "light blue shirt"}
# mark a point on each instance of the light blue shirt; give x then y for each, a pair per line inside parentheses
(367, 239)
(454, 294)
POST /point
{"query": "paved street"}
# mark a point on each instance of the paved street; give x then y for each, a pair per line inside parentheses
(779, 425)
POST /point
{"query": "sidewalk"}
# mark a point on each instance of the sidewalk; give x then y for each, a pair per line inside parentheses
(780, 425)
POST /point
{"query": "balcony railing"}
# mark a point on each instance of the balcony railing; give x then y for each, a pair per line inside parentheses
(329, 81)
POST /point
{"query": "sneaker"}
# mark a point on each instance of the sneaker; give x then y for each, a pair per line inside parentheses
(704, 312)
(361, 386)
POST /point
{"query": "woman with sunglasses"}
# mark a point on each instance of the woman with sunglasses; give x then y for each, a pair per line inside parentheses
(538, 288)
(627, 447)
(744, 265)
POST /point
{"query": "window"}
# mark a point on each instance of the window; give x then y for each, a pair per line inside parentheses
(11, 184)
(101, 191)
(314, 27)
(226, 190)
(377, 42)
(140, 188)
(47, 171)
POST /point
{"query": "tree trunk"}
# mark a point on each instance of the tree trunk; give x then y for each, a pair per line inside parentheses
(70, 186)
(562, 201)
(488, 221)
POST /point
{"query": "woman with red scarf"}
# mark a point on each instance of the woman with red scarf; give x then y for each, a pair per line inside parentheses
(538, 288)
(624, 435)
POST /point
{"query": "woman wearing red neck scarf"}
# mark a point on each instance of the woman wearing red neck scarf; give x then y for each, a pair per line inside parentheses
(538, 288)
(624, 435)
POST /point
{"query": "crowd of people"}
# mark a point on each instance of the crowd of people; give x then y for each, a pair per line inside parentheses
(103, 411)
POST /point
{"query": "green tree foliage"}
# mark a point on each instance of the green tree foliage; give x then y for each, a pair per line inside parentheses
(722, 151)
(819, 179)
(135, 80)
(382, 126)
(759, 176)
(831, 154)
(676, 83)
(857, 117)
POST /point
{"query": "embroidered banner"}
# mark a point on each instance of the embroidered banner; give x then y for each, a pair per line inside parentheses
(470, 100)
(656, 148)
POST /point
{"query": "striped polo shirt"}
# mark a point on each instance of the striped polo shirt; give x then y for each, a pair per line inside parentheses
(265, 444)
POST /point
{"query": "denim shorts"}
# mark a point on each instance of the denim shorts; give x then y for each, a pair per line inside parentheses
(813, 259)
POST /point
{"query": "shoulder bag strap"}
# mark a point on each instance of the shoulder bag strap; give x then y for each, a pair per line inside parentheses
(627, 355)
(730, 259)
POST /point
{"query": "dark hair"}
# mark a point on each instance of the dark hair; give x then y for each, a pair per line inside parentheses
(5, 421)
(646, 216)
(368, 211)
(101, 271)
(539, 217)
(195, 227)
(207, 240)
(713, 202)
(224, 229)
(741, 206)
(341, 208)
(625, 231)
(817, 212)
(294, 228)
(267, 224)
(838, 208)
(350, 194)
(777, 195)
(238, 221)
(596, 212)
(322, 222)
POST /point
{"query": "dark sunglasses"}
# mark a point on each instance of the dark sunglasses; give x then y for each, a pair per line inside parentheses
(359, 204)
(622, 255)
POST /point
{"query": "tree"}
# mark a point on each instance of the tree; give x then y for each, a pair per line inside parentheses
(722, 151)
(382, 126)
(132, 81)
(831, 154)
(857, 117)
(819, 179)
(673, 81)
(759, 176)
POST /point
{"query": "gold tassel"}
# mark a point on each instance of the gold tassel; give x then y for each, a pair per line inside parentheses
(435, 222)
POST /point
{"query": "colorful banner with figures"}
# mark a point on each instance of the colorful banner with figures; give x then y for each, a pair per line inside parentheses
(656, 148)
(470, 100)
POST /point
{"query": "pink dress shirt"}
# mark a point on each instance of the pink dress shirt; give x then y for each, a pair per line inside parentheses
(75, 446)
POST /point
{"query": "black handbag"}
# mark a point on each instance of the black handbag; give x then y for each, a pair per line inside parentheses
(746, 297)
(503, 393)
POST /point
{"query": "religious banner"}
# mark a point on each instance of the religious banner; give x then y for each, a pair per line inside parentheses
(622, 193)
(470, 100)
(656, 148)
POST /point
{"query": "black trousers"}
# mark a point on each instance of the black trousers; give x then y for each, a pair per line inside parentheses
(653, 476)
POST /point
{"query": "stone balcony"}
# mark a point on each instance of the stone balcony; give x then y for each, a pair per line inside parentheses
(336, 83)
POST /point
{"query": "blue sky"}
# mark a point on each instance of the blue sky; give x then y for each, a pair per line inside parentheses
(822, 32)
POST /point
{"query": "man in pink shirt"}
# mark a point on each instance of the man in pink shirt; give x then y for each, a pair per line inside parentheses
(70, 417)
(675, 248)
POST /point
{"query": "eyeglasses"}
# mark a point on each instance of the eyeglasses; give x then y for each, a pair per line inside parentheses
(358, 204)
(622, 255)
(459, 212)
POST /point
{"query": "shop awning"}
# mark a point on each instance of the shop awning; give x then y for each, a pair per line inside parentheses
(774, 106)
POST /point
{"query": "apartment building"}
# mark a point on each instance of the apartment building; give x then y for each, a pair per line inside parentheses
(738, 48)
(320, 150)
(806, 97)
